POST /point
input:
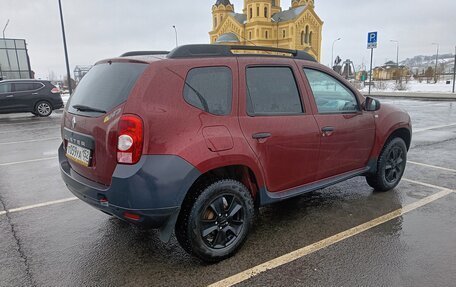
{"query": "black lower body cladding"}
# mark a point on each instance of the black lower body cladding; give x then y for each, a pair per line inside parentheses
(153, 189)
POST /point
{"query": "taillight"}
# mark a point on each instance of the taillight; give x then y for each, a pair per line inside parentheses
(55, 90)
(130, 139)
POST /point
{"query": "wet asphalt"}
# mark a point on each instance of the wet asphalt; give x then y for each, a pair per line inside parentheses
(72, 244)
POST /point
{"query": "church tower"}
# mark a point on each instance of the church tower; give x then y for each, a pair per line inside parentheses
(220, 10)
(258, 10)
(265, 23)
(297, 3)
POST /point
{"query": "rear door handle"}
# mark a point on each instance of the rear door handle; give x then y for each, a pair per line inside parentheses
(259, 136)
(10, 96)
(35, 94)
(327, 129)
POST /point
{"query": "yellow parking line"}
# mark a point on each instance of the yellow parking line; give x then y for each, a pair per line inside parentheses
(432, 166)
(294, 255)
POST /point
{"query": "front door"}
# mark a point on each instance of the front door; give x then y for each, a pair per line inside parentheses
(276, 123)
(347, 132)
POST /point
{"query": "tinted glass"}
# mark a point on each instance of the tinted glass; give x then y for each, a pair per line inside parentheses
(5, 88)
(272, 91)
(106, 86)
(209, 89)
(23, 87)
(331, 95)
(37, 86)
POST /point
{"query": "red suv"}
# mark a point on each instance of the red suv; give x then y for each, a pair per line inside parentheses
(194, 140)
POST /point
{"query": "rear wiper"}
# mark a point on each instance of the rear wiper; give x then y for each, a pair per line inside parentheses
(82, 108)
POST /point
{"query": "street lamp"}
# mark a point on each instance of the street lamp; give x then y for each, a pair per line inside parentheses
(397, 57)
(332, 53)
(175, 31)
(6, 25)
(70, 89)
(436, 61)
(454, 70)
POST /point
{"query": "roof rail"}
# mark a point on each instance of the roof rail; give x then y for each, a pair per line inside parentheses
(210, 50)
(144, 53)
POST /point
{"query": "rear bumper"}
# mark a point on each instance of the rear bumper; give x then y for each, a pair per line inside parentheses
(154, 189)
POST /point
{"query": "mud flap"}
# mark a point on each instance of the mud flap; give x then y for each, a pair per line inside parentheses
(167, 229)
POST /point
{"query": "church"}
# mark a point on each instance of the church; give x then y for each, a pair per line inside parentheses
(264, 23)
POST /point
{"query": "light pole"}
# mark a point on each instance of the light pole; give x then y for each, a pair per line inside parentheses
(332, 52)
(397, 58)
(4, 29)
(436, 61)
(454, 69)
(175, 31)
(70, 89)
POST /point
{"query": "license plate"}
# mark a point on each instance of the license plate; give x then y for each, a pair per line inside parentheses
(78, 154)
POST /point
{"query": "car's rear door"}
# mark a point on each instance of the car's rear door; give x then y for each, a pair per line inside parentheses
(276, 121)
(347, 132)
(24, 95)
(5, 97)
(90, 121)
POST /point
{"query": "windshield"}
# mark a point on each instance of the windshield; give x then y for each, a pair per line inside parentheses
(105, 87)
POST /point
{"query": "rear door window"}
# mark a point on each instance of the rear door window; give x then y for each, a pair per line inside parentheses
(23, 87)
(272, 91)
(210, 89)
(105, 86)
(37, 86)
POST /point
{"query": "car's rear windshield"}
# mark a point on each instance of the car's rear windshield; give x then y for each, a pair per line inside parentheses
(104, 87)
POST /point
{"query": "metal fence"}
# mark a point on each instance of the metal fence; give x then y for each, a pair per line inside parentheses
(14, 59)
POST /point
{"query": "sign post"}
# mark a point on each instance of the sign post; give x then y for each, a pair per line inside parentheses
(372, 40)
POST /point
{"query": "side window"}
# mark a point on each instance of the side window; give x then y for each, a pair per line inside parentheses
(331, 95)
(23, 87)
(5, 88)
(210, 89)
(272, 91)
(37, 86)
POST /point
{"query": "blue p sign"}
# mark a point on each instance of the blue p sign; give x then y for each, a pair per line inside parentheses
(372, 40)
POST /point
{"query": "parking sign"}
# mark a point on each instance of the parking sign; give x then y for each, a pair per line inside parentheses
(372, 38)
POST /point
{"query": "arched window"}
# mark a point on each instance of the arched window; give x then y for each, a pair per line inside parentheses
(310, 38)
(266, 34)
(258, 11)
(283, 34)
(250, 13)
(250, 35)
(266, 12)
(303, 36)
(215, 21)
(306, 37)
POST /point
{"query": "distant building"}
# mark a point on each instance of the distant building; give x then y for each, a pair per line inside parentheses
(14, 59)
(264, 23)
(390, 71)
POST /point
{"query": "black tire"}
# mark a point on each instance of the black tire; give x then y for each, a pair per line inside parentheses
(43, 109)
(224, 233)
(390, 167)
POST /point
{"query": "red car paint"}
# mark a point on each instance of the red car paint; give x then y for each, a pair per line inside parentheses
(297, 153)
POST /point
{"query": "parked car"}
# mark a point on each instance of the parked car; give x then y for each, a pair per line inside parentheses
(193, 141)
(34, 96)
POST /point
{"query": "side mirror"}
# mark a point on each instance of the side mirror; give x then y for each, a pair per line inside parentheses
(371, 105)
